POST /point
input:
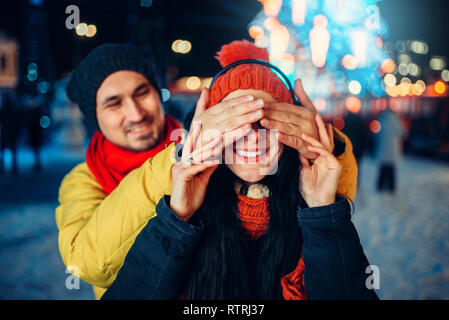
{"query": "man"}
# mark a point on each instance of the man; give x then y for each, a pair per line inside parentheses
(106, 201)
(117, 89)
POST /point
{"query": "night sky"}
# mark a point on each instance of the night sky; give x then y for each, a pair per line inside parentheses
(207, 24)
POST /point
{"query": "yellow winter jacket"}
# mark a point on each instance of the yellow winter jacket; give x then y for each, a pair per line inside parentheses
(96, 230)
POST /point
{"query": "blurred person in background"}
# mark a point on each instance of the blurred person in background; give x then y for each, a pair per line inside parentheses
(35, 131)
(389, 149)
(357, 131)
(10, 124)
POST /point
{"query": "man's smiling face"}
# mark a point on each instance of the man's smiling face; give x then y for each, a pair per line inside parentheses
(129, 111)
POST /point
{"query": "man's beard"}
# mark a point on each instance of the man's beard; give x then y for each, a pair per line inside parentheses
(150, 140)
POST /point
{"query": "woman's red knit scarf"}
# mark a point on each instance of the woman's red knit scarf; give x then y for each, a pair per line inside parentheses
(254, 215)
(110, 163)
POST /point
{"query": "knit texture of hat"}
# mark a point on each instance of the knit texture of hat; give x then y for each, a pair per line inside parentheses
(99, 64)
(246, 76)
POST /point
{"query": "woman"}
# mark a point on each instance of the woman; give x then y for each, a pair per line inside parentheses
(261, 225)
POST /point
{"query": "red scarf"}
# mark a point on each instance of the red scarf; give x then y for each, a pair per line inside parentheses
(255, 217)
(110, 163)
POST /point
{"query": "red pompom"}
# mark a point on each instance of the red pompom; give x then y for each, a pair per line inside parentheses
(240, 50)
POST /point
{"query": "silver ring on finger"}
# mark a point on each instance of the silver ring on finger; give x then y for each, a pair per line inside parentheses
(189, 161)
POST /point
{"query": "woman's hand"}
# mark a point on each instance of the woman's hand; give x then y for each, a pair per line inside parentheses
(291, 121)
(319, 181)
(191, 175)
(230, 119)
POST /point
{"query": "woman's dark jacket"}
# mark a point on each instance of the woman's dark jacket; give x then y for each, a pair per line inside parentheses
(335, 265)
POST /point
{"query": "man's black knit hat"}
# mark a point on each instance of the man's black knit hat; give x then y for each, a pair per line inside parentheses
(99, 64)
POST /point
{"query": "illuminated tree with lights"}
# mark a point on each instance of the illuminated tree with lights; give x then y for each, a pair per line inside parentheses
(335, 46)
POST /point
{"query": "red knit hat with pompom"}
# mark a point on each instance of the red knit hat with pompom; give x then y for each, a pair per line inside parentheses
(246, 76)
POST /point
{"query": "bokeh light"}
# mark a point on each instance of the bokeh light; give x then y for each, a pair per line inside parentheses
(403, 69)
(419, 47)
(419, 87)
(91, 30)
(174, 45)
(184, 47)
(375, 126)
(319, 40)
(32, 66)
(437, 63)
(392, 91)
(414, 70)
(338, 123)
(405, 86)
(181, 46)
(445, 75)
(390, 80)
(353, 104)
(440, 87)
(279, 38)
(256, 32)
(44, 122)
(404, 58)
(271, 23)
(354, 87)
(81, 29)
(193, 83)
(299, 8)
(320, 104)
(271, 7)
(349, 62)
(165, 94)
(32, 75)
(43, 87)
(388, 66)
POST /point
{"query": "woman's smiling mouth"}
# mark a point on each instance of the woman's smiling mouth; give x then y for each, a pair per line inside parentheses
(250, 155)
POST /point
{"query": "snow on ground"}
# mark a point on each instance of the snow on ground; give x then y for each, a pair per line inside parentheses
(406, 235)
(30, 264)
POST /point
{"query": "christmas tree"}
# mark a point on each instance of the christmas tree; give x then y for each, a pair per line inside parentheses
(334, 46)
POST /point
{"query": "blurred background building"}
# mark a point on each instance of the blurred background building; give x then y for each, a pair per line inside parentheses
(357, 59)
(9, 52)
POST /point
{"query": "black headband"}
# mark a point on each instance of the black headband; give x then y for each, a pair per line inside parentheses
(273, 68)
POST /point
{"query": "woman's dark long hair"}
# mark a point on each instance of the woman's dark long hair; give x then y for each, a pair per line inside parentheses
(222, 267)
